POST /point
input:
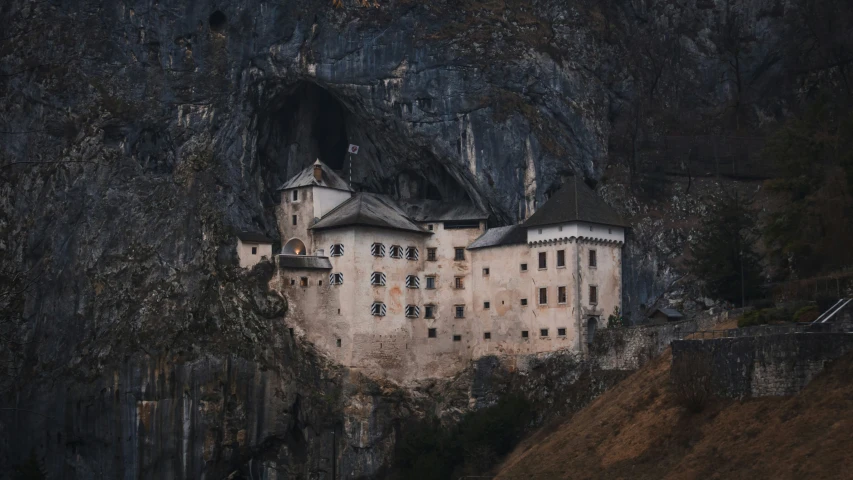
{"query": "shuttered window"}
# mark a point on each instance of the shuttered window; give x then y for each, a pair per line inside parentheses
(413, 311)
(378, 309)
(336, 250)
(377, 278)
(336, 279)
(412, 281)
(411, 253)
(377, 250)
(396, 251)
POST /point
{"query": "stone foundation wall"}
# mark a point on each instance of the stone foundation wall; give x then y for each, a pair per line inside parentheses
(766, 365)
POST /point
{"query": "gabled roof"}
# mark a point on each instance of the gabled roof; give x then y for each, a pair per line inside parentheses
(438, 211)
(495, 237)
(575, 202)
(669, 312)
(368, 209)
(305, 178)
(253, 237)
(305, 262)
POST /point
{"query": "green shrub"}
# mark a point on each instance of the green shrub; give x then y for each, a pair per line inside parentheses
(763, 317)
(806, 314)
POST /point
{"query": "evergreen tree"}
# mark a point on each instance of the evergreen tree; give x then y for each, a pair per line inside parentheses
(723, 255)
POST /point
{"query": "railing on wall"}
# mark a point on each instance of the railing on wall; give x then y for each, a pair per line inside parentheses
(761, 330)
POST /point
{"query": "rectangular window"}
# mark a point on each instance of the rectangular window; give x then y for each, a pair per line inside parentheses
(319, 283)
(486, 272)
(561, 332)
(336, 279)
(561, 258)
(524, 334)
(338, 341)
(486, 305)
(593, 259)
(303, 281)
(377, 250)
(543, 296)
(543, 261)
(561, 294)
(412, 281)
(413, 311)
(457, 282)
(593, 295)
(523, 302)
(431, 254)
(460, 311)
(457, 338)
(543, 332)
(294, 219)
(377, 278)
(459, 254)
(429, 227)
(336, 250)
(293, 281)
(523, 267)
(429, 311)
(411, 253)
(431, 333)
(396, 251)
(430, 283)
(378, 309)
(254, 250)
(487, 335)
(295, 195)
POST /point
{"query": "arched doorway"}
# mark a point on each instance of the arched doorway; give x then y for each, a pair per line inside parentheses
(591, 325)
(294, 246)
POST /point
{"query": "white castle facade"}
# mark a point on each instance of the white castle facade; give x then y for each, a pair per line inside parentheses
(418, 288)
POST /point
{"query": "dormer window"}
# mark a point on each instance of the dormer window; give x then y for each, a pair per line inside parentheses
(412, 281)
(411, 253)
(377, 279)
(378, 309)
(336, 250)
(396, 251)
(413, 311)
(377, 250)
(336, 279)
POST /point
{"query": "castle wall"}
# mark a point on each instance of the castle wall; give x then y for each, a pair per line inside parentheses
(303, 209)
(247, 258)
(588, 230)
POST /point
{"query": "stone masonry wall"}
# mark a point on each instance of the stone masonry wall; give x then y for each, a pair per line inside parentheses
(767, 365)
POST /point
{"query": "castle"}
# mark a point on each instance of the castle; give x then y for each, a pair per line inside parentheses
(413, 289)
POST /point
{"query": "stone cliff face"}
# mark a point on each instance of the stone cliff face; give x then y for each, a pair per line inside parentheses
(137, 137)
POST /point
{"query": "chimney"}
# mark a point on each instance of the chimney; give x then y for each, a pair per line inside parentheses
(318, 171)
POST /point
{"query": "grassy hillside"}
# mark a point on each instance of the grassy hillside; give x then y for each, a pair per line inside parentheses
(638, 430)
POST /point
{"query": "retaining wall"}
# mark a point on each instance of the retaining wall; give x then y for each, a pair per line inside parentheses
(765, 365)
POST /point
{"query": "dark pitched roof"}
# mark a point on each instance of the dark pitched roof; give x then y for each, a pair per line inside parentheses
(495, 237)
(575, 202)
(305, 262)
(305, 178)
(368, 209)
(669, 312)
(437, 211)
(253, 237)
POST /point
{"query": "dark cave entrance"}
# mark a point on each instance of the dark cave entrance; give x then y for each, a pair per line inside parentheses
(330, 130)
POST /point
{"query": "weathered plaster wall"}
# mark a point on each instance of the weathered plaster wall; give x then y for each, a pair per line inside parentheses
(326, 199)
(303, 209)
(764, 365)
(247, 258)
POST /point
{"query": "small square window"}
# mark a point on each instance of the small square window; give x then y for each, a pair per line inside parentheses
(294, 219)
(378, 279)
(377, 250)
(413, 311)
(431, 333)
(561, 332)
(459, 254)
(293, 281)
(338, 342)
(396, 251)
(336, 250)
(458, 282)
(543, 332)
(561, 258)
(457, 338)
(487, 335)
(336, 279)
(486, 272)
(460, 311)
(411, 253)
(319, 283)
(543, 260)
(561, 294)
(543, 296)
(430, 227)
(523, 302)
(523, 267)
(303, 281)
(429, 311)
(486, 305)
(412, 281)
(524, 334)
(430, 283)
(254, 250)
(431, 254)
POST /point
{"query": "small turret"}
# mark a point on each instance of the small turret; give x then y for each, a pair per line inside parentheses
(318, 171)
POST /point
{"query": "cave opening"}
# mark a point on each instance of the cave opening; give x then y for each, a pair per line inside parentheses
(217, 21)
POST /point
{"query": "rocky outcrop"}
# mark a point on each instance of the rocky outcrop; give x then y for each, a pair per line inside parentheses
(137, 137)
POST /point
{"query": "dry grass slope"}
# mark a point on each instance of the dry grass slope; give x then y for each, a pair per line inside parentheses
(637, 430)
